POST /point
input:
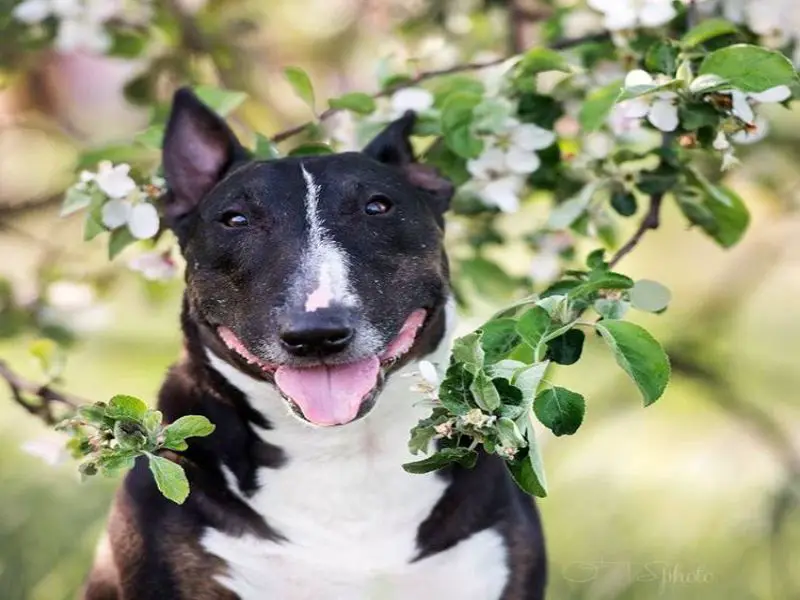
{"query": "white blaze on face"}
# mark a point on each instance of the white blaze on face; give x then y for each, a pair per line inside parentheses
(324, 261)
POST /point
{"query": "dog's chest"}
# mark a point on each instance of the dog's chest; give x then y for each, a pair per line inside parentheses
(350, 516)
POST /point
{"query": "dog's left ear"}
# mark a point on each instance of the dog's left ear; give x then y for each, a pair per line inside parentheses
(392, 146)
(199, 148)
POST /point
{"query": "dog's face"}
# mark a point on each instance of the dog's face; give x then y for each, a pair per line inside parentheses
(319, 274)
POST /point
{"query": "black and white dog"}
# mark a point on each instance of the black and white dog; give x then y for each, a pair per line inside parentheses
(312, 284)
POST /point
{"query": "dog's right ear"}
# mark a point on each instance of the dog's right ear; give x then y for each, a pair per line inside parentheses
(199, 147)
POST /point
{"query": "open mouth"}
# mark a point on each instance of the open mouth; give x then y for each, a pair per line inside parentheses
(333, 394)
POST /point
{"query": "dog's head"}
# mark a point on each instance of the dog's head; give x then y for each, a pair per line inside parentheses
(319, 274)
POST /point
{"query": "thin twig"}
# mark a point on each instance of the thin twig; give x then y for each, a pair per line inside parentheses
(651, 220)
(691, 14)
(20, 387)
(427, 75)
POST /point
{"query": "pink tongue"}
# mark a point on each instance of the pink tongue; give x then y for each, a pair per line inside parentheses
(329, 395)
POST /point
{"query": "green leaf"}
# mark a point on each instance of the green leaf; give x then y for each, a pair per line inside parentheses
(660, 180)
(543, 111)
(662, 57)
(707, 30)
(650, 296)
(443, 458)
(506, 369)
(624, 202)
(644, 90)
(50, 356)
(445, 87)
(527, 470)
(457, 110)
(509, 434)
(185, 427)
(152, 137)
(601, 280)
(301, 84)
(484, 393)
(731, 216)
(560, 410)
(469, 351)
(128, 44)
(129, 435)
(126, 407)
(705, 84)
(719, 211)
(566, 349)
(265, 149)
(539, 60)
(499, 337)
(598, 105)
(421, 437)
(611, 309)
(357, 102)
(152, 422)
(93, 413)
(533, 326)
(119, 239)
(222, 102)
(311, 149)
(527, 380)
(639, 355)
(489, 278)
(113, 463)
(694, 115)
(170, 478)
(454, 392)
(491, 115)
(750, 68)
(75, 200)
(463, 142)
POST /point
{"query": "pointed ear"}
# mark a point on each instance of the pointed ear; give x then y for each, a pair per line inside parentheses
(392, 146)
(199, 147)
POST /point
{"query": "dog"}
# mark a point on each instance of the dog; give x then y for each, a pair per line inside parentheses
(313, 285)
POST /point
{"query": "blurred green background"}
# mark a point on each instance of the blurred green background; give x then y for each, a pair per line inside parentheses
(689, 499)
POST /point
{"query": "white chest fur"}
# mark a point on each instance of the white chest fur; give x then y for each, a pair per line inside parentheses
(350, 513)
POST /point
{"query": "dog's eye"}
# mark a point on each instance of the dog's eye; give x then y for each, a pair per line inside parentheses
(234, 219)
(378, 205)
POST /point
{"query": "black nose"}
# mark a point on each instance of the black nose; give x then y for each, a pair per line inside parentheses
(310, 335)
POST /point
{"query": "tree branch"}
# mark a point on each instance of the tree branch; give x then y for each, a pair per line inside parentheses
(651, 220)
(48, 397)
(427, 75)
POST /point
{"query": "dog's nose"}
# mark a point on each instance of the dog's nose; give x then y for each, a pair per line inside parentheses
(314, 336)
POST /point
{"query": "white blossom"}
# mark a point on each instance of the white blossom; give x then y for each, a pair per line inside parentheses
(80, 34)
(80, 24)
(32, 11)
(742, 103)
(113, 181)
(660, 108)
(74, 306)
(143, 221)
(154, 266)
(753, 133)
(70, 295)
(412, 98)
(506, 159)
(722, 144)
(48, 449)
(428, 379)
(629, 14)
(115, 213)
